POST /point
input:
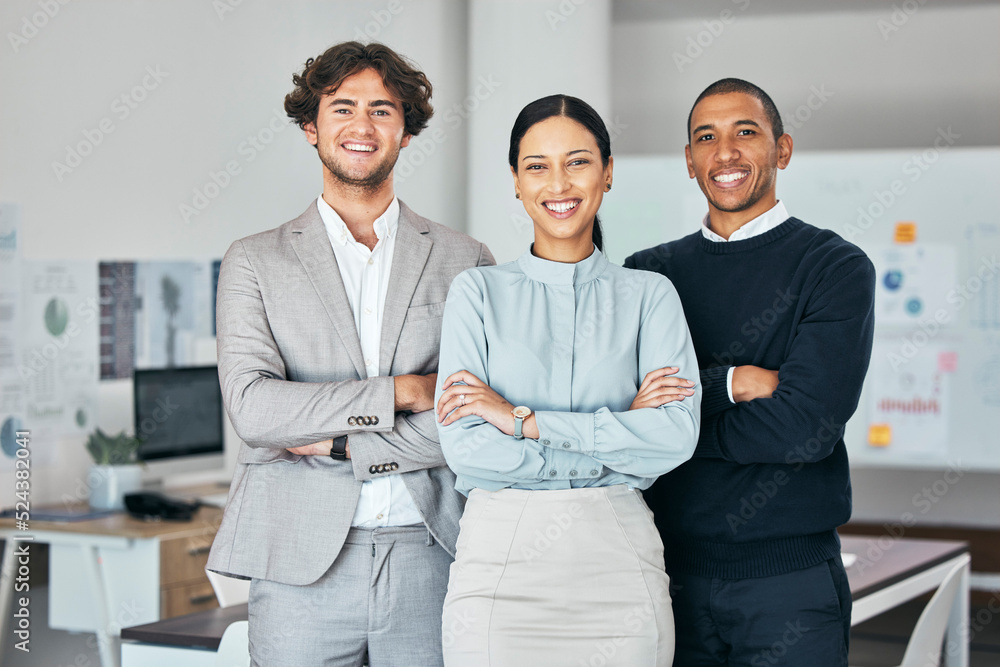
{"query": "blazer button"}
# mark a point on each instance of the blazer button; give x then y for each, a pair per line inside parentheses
(372, 469)
(368, 421)
(374, 420)
(360, 421)
(393, 466)
(351, 421)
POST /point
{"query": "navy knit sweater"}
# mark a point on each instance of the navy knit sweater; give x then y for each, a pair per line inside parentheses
(769, 482)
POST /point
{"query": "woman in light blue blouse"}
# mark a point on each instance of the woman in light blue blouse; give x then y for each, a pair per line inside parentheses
(558, 561)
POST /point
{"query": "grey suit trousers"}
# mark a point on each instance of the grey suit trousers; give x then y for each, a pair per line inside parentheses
(381, 599)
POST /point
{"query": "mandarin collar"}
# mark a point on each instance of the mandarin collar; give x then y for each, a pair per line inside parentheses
(563, 273)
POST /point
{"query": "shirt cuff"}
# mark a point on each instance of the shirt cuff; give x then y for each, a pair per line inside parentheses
(729, 384)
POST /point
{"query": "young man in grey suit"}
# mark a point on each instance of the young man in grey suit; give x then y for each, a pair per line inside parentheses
(342, 511)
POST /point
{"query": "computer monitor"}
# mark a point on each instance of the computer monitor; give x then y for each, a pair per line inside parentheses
(178, 419)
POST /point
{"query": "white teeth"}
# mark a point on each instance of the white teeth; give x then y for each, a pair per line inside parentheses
(359, 147)
(562, 207)
(729, 178)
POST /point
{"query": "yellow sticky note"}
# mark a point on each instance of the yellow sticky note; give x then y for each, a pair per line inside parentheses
(879, 435)
(906, 232)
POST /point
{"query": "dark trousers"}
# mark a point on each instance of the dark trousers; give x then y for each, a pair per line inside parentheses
(799, 619)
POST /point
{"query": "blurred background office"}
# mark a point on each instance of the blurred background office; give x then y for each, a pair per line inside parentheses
(151, 133)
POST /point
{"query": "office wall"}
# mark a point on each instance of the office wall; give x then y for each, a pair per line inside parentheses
(841, 81)
(204, 84)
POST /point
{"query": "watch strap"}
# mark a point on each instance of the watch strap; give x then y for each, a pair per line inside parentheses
(338, 451)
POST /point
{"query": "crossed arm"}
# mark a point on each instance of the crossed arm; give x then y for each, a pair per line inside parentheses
(270, 411)
(816, 390)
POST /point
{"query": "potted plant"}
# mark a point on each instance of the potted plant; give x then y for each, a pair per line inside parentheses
(116, 470)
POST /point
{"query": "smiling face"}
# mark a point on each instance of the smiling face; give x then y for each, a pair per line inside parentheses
(561, 181)
(735, 158)
(359, 132)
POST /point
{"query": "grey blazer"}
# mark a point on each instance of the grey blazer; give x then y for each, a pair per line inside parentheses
(291, 370)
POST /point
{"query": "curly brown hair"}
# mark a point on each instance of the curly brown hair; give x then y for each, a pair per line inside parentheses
(324, 75)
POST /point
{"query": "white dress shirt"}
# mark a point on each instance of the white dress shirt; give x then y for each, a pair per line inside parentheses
(384, 501)
(764, 222)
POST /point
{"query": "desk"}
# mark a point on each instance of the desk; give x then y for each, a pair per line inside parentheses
(116, 571)
(891, 571)
(885, 575)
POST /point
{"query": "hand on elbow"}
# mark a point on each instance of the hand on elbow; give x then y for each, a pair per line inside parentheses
(751, 382)
(660, 387)
(414, 393)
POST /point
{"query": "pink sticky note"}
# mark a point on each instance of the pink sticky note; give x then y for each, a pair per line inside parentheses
(948, 362)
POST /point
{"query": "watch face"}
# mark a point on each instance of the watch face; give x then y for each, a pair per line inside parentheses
(521, 411)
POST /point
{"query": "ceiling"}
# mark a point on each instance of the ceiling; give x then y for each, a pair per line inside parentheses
(664, 10)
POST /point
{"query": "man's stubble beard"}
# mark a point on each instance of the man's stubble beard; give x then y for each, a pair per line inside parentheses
(752, 198)
(366, 184)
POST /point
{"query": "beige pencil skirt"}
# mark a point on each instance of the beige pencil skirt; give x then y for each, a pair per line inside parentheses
(568, 578)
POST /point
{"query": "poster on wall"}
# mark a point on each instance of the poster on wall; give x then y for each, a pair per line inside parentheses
(58, 355)
(11, 384)
(173, 314)
(116, 283)
(910, 396)
(913, 283)
(156, 315)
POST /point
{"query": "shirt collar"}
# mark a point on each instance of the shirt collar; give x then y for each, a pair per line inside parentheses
(563, 273)
(384, 225)
(764, 222)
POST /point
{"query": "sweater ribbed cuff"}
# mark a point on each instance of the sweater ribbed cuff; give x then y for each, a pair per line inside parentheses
(715, 391)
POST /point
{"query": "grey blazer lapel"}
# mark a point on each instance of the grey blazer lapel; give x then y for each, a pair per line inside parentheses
(312, 245)
(408, 260)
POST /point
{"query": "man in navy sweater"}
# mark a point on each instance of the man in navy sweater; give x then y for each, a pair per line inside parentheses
(781, 314)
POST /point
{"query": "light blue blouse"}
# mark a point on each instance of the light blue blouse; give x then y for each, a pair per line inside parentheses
(573, 343)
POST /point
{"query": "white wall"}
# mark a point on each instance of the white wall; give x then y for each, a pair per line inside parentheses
(884, 89)
(528, 49)
(223, 79)
(941, 68)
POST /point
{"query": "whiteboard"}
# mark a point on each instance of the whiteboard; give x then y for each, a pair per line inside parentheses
(932, 396)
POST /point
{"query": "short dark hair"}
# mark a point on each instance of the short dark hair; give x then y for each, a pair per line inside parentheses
(325, 73)
(570, 107)
(725, 86)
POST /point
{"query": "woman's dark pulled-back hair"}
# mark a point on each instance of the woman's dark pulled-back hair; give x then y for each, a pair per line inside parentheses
(324, 74)
(569, 107)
